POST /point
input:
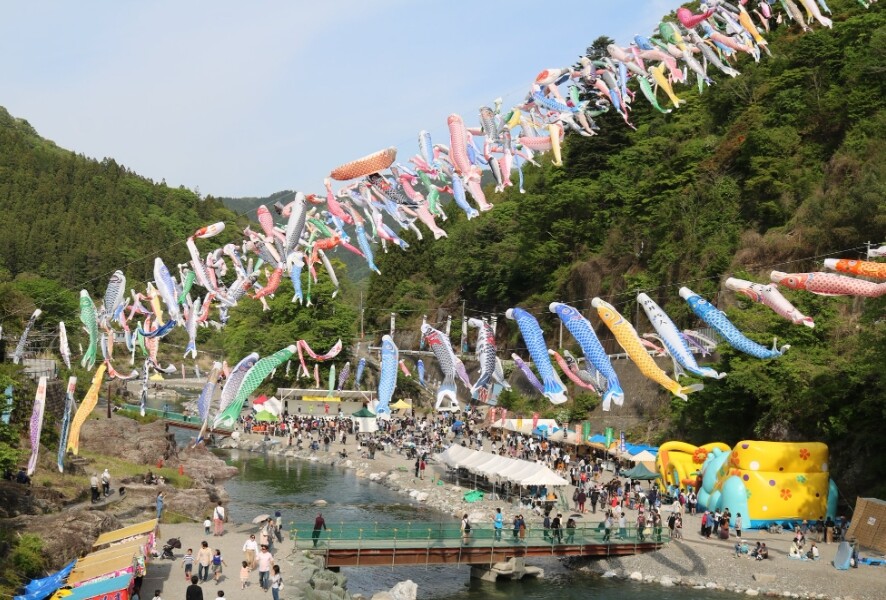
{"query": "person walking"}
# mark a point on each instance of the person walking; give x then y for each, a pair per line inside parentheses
(204, 559)
(570, 531)
(582, 498)
(250, 549)
(607, 527)
(498, 524)
(319, 525)
(194, 591)
(738, 525)
(465, 529)
(219, 516)
(106, 483)
(217, 563)
(265, 562)
(93, 486)
(422, 465)
(244, 575)
(276, 583)
(159, 506)
(188, 564)
(557, 528)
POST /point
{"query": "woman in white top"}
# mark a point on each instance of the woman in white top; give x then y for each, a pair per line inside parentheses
(276, 583)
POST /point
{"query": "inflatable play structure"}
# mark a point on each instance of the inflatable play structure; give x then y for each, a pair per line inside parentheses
(766, 482)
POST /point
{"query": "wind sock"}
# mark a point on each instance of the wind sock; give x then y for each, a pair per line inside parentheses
(332, 353)
(37, 424)
(581, 330)
(729, 332)
(439, 344)
(316, 377)
(487, 356)
(63, 347)
(143, 396)
(66, 422)
(627, 338)
(420, 367)
(86, 406)
(554, 390)
(829, 284)
(864, 268)
(23, 340)
(387, 379)
(343, 376)
(90, 322)
(233, 383)
(771, 297)
(403, 368)
(7, 410)
(258, 373)
(204, 401)
(358, 377)
(673, 340)
(524, 368)
(573, 376)
(331, 381)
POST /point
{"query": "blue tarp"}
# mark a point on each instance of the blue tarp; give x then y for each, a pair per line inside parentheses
(38, 589)
(106, 586)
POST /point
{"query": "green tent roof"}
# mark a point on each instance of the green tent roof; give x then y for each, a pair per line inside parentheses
(640, 472)
(364, 412)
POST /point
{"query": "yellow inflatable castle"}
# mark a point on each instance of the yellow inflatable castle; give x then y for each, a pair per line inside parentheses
(765, 482)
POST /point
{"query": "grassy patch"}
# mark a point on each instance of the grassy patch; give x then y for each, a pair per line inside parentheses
(136, 416)
(120, 469)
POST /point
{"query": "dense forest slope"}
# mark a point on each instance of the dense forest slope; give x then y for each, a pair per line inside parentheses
(775, 169)
(74, 219)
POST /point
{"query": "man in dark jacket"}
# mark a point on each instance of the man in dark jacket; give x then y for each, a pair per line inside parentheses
(194, 591)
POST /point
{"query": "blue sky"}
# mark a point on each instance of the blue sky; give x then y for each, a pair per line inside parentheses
(248, 98)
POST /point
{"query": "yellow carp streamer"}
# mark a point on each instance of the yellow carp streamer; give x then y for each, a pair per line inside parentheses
(89, 402)
(627, 338)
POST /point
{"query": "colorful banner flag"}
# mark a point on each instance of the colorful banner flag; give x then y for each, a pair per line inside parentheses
(622, 445)
(610, 434)
(66, 422)
(37, 424)
(586, 430)
(534, 420)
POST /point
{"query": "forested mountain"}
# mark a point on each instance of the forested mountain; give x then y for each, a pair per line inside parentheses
(775, 169)
(74, 219)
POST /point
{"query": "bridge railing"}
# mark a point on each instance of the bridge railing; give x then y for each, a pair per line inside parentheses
(416, 533)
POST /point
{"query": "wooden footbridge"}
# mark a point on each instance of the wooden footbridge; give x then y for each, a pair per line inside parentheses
(416, 543)
(179, 419)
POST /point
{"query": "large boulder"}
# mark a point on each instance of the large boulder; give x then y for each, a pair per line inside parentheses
(68, 534)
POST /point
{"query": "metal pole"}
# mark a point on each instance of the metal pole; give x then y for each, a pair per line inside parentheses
(561, 336)
(109, 398)
(362, 313)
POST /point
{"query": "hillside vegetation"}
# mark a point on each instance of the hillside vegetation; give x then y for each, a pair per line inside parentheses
(775, 169)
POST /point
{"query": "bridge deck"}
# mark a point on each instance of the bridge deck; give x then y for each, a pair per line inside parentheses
(179, 419)
(372, 544)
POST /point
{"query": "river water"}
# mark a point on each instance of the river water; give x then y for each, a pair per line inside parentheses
(269, 483)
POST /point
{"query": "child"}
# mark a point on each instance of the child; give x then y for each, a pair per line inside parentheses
(244, 575)
(188, 563)
(217, 563)
(207, 524)
(157, 595)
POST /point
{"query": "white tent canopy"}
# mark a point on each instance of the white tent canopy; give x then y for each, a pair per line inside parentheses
(522, 472)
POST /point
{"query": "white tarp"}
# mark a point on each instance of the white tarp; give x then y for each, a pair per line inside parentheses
(518, 471)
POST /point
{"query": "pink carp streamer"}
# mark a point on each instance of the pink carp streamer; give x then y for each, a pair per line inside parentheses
(829, 284)
(37, 424)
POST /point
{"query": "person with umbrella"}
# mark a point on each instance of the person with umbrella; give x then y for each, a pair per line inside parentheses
(319, 524)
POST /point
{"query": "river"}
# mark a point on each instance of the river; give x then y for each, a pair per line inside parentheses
(269, 483)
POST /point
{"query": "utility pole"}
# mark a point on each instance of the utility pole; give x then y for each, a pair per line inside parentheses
(561, 336)
(109, 398)
(362, 313)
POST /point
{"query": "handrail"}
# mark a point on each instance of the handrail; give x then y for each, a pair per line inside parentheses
(443, 534)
